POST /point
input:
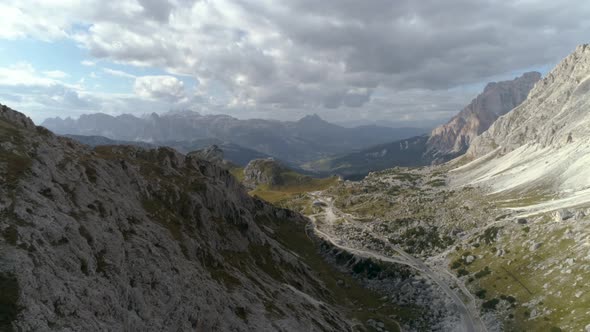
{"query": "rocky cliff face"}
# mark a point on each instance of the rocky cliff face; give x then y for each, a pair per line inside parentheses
(212, 154)
(124, 238)
(263, 171)
(543, 143)
(555, 111)
(453, 139)
(271, 172)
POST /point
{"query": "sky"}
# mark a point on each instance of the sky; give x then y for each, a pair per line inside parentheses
(392, 62)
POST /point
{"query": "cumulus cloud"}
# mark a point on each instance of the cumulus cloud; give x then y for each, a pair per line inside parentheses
(159, 87)
(55, 74)
(306, 53)
(297, 55)
(118, 73)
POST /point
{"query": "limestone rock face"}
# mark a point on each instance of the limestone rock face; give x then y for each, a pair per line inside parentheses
(555, 114)
(542, 145)
(212, 154)
(498, 98)
(263, 171)
(121, 238)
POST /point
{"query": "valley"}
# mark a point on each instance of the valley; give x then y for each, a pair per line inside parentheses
(478, 249)
(294, 166)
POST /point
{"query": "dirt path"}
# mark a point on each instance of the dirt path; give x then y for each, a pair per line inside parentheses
(469, 312)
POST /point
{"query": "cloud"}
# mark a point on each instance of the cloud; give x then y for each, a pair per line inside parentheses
(26, 89)
(159, 87)
(23, 74)
(118, 73)
(311, 54)
(88, 63)
(157, 9)
(289, 57)
(55, 74)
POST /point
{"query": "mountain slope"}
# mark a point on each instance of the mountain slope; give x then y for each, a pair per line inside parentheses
(307, 139)
(453, 139)
(274, 182)
(444, 143)
(532, 164)
(542, 145)
(123, 238)
(407, 152)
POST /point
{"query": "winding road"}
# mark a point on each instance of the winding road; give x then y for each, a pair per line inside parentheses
(471, 320)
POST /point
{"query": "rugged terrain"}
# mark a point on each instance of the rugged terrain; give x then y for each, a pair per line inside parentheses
(125, 238)
(498, 98)
(274, 182)
(504, 228)
(308, 139)
(444, 142)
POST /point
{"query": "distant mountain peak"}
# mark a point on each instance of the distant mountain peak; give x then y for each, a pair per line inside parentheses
(497, 99)
(312, 118)
(185, 113)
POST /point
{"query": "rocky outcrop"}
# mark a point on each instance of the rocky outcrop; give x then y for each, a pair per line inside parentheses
(120, 238)
(498, 98)
(263, 171)
(212, 154)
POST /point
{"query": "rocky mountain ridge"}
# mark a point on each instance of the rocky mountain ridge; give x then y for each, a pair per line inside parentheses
(293, 141)
(125, 238)
(498, 98)
(542, 145)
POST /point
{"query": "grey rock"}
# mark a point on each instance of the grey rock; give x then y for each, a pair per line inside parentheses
(212, 154)
(553, 111)
(535, 246)
(497, 99)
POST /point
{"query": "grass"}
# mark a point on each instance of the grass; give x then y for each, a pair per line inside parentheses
(524, 276)
(238, 173)
(15, 162)
(518, 200)
(275, 194)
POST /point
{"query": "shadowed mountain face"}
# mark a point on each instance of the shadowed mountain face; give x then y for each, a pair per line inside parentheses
(307, 139)
(444, 143)
(124, 238)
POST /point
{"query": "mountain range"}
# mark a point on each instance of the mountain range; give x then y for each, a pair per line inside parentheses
(444, 142)
(296, 142)
(233, 153)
